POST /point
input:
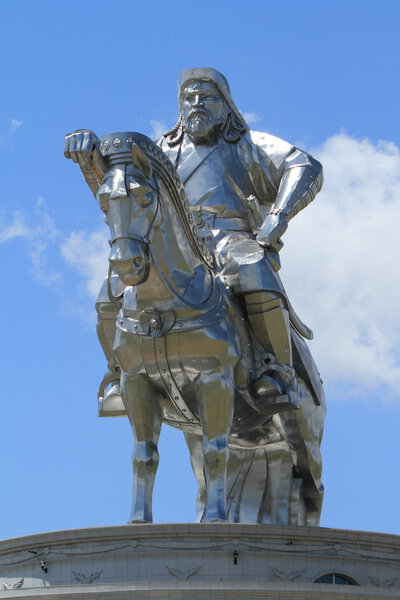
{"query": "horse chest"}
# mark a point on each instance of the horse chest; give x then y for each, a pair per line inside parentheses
(174, 361)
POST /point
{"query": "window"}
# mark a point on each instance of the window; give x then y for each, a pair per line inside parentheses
(336, 578)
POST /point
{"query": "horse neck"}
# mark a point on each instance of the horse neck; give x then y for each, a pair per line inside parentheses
(174, 263)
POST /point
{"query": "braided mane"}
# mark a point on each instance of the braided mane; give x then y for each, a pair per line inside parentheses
(164, 169)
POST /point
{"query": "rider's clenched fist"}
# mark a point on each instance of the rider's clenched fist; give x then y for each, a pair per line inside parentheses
(83, 146)
(79, 146)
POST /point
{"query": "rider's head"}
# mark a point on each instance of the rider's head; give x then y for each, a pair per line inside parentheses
(206, 108)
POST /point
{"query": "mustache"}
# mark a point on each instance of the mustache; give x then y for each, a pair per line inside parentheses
(198, 111)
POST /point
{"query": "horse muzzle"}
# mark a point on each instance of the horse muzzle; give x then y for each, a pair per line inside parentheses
(131, 261)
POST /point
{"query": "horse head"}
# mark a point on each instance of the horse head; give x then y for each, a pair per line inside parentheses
(129, 200)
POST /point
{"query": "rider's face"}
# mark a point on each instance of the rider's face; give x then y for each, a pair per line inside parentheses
(203, 109)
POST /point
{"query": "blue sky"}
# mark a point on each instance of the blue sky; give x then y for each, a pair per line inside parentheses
(323, 75)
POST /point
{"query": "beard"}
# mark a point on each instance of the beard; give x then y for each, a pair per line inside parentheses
(200, 126)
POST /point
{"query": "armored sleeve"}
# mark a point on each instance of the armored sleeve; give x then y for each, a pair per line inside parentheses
(296, 176)
(301, 181)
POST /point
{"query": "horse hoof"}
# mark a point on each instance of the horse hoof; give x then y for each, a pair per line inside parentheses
(214, 521)
(139, 522)
(214, 518)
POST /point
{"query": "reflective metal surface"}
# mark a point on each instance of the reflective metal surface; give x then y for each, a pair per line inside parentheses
(194, 320)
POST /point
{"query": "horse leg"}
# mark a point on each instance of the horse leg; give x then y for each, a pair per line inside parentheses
(215, 394)
(144, 407)
(194, 443)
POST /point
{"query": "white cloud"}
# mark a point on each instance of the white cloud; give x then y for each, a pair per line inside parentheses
(340, 264)
(88, 254)
(12, 128)
(16, 228)
(250, 117)
(14, 124)
(41, 236)
(40, 232)
(158, 128)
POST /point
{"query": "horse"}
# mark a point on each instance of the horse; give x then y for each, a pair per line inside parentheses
(188, 357)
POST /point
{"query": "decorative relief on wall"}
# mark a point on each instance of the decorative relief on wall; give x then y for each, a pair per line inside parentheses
(82, 578)
(286, 576)
(13, 586)
(183, 575)
(383, 582)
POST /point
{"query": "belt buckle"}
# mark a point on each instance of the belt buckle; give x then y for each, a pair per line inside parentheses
(204, 219)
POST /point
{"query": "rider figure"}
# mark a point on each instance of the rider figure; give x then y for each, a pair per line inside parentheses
(242, 198)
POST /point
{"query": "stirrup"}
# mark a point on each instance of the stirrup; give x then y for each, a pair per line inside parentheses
(110, 402)
(267, 387)
(275, 390)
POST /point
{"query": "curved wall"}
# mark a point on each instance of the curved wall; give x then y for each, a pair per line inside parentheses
(199, 561)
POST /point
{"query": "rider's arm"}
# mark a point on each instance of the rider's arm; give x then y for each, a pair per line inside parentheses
(298, 178)
(83, 147)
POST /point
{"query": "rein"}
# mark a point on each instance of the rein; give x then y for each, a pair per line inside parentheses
(145, 240)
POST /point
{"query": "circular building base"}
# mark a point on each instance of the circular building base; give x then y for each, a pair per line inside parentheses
(196, 561)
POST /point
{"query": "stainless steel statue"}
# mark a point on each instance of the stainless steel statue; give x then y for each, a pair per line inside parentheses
(193, 318)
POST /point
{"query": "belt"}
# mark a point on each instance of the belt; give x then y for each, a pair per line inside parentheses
(208, 220)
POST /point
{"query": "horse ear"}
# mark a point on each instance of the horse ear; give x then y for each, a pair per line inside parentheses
(141, 161)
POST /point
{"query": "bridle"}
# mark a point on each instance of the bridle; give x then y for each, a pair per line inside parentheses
(146, 240)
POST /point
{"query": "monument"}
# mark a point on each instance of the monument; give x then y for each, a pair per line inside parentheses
(199, 333)
(193, 317)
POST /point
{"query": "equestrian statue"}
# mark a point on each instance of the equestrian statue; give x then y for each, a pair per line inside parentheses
(193, 318)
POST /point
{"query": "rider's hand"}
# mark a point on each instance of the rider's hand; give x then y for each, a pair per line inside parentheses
(271, 230)
(80, 145)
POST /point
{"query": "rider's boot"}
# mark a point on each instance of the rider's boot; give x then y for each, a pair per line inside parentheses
(269, 321)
